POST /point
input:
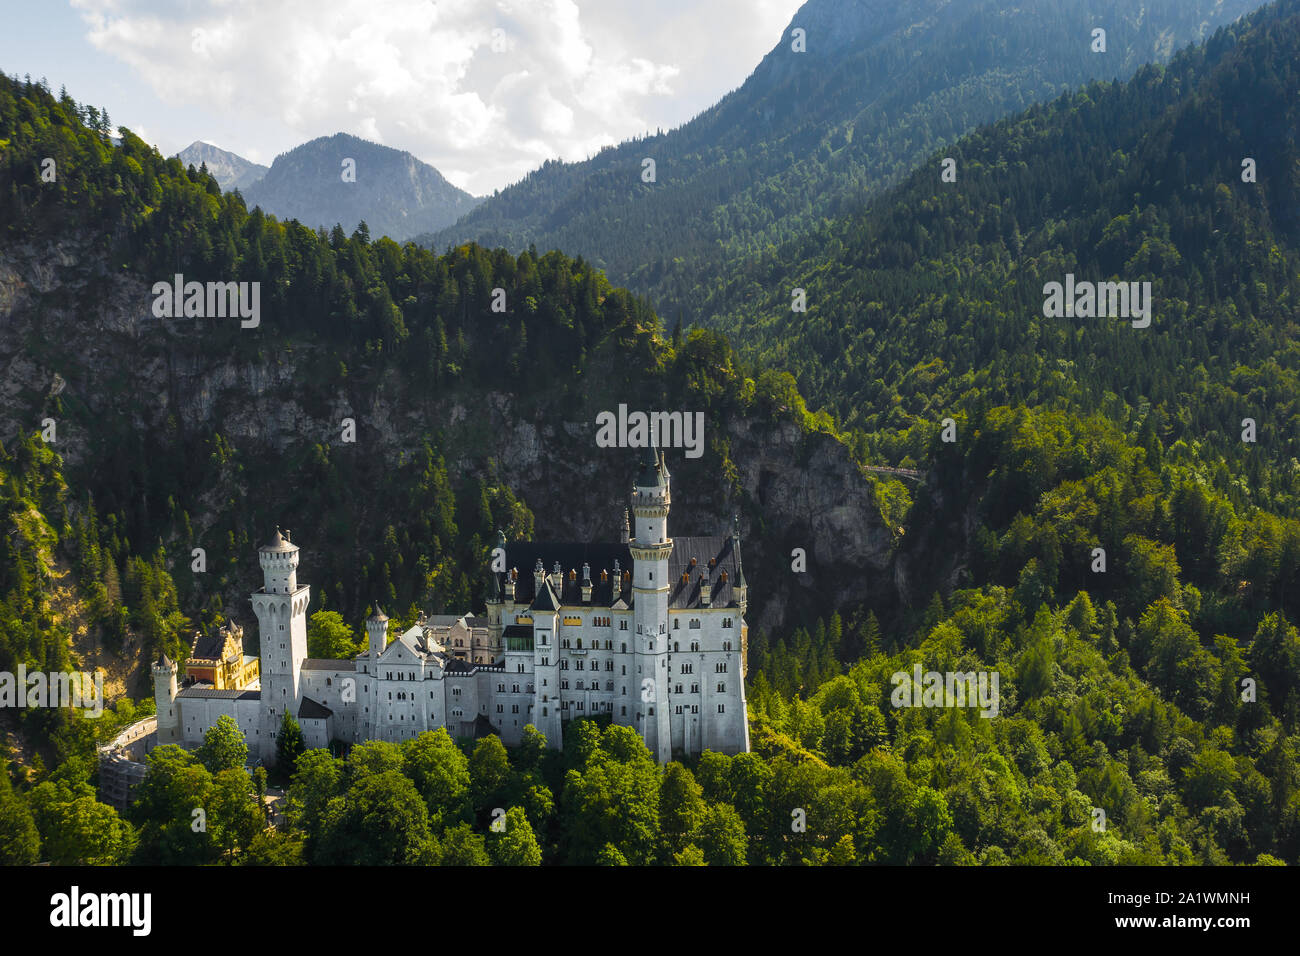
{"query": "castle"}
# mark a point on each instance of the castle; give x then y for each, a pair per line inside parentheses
(649, 631)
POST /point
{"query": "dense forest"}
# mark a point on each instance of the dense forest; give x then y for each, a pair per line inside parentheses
(1102, 534)
(355, 315)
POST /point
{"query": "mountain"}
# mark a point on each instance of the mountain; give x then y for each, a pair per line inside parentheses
(394, 193)
(811, 135)
(932, 306)
(230, 170)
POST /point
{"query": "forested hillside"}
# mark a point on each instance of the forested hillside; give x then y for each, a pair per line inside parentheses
(811, 135)
(177, 435)
(930, 306)
(1098, 533)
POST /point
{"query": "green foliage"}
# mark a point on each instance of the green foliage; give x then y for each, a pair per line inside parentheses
(329, 637)
(224, 747)
(288, 746)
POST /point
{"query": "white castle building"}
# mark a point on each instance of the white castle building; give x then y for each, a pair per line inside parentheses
(649, 631)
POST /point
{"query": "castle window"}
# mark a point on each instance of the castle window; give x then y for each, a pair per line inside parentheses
(677, 624)
(722, 708)
(695, 708)
(501, 688)
(455, 691)
(577, 665)
(695, 645)
(679, 709)
(609, 665)
(501, 708)
(677, 690)
(676, 648)
(543, 711)
(564, 665)
(328, 682)
(514, 708)
(564, 685)
(695, 688)
(722, 688)
(579, 643)
(514, 688)
(622, 625)
(687, 668)
(726, 645)
(624, 670)
(624, 711)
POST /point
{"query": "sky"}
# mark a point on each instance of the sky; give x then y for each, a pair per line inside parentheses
(485, 90)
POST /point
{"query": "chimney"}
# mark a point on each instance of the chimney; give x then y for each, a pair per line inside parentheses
(705, 590)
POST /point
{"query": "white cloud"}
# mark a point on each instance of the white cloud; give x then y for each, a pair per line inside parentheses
(421, 75)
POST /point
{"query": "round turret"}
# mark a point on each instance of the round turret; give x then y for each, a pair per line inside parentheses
(377, 631)
(279, 560)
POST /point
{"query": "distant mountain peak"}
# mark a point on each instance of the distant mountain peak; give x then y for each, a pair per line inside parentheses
(345, 179)
(230, 170)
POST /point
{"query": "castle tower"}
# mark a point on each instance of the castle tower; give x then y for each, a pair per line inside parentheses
(164, 697)
(546, 664)
(650, 549)
(377, 632)
(281, 609)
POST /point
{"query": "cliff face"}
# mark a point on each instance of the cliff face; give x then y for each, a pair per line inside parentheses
(135, 385)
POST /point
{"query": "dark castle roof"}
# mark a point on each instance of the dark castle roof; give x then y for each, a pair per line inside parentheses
(523, 555)
(717, 548)
(328, 664)
(311, 710)
(211, 693)
(208, 647)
